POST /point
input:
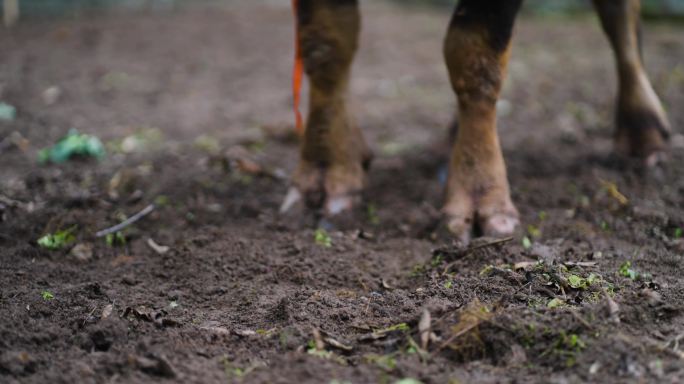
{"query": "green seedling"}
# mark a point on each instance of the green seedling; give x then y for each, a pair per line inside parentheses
(678, 233)
(58, 240)
(322, 238)
(534, 231)
(526, 242)
(486, 270)
(577, 282)
(555, 303)
(627, 271)
(449, 284)
(437, 261)
(604, 226)
(372, 212)
(161, 200)
(396, 327)
(234, 372)
(386, 362)
(47, 295)
(567, 346)
(327, 355)
(72, 145)
(115, 239)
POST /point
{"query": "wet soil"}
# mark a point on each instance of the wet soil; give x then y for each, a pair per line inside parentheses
(194, 106)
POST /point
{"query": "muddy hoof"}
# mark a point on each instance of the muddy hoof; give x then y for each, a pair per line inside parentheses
(500, 225)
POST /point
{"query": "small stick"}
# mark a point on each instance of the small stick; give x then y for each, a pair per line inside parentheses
(126, 222)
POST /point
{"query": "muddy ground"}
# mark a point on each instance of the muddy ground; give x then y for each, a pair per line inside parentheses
(193, 106)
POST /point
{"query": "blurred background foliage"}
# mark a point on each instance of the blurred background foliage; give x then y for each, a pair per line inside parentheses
(652, 8)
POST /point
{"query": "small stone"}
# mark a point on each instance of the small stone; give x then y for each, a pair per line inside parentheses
(82, 252)
(51, 95)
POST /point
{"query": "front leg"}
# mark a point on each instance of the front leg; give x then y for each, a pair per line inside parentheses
(333, 154)
(642, 126)
(476, 49)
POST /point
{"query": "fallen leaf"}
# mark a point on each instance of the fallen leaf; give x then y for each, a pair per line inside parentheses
(245, 332)
(318, 340)
(107, 311)
(336, 344)
(613, 191)
(470, 318)
(424, 328)
(524, 265)
(613, 309)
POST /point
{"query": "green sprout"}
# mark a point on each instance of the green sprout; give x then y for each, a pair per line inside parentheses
(47, 295)
(555, 303)
(372, 212)
(627, 271)
(526, 242)
(57, 240)
(322, 238)
(115, 239)
(678, 233)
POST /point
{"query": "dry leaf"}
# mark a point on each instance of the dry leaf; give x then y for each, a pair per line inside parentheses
(107, 311)
(524, 265)
(336, 344)
(424, 329)
(613, 191)
(474, 314)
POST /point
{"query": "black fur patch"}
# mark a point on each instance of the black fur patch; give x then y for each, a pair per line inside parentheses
(305, 8)
(497, 16)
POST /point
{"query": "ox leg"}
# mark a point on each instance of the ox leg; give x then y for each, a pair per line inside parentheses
(476, 49)
(333, 152)
(642, 125)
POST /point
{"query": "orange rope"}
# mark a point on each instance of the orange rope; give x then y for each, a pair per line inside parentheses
(297, 76)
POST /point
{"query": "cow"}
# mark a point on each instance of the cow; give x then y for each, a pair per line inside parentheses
(334, 157)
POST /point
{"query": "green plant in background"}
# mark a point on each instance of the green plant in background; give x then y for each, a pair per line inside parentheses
(74, 144)
(57, 240)
(322, 238)
(627, 271)
(115, 239)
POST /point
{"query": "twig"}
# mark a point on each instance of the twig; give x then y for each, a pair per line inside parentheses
(146, 211)
(581, 319)
(454, 337)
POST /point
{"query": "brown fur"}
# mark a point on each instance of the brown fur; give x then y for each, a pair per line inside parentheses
(476, 49)
(641, 123)
(333, 151)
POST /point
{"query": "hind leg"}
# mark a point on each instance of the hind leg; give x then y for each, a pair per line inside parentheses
(476, 49)
(642, 126)
(333, 152)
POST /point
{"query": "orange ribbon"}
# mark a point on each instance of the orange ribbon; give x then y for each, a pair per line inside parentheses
(297, 76)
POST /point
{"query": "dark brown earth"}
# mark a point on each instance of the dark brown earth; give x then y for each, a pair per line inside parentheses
(241, 291)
